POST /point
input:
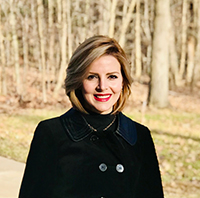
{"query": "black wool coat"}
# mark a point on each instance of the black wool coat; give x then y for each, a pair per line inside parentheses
(69, 160)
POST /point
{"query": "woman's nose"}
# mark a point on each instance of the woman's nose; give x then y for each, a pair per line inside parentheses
(102, 84)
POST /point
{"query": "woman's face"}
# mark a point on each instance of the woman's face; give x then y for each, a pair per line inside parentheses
(103, 84)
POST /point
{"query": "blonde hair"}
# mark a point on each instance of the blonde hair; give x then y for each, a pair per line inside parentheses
(84, 55)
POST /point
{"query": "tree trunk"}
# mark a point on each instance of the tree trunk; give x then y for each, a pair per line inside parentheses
(42, 44)
(160, 56)
(63, 49)
(86, 18)
(36, 47)
(126, 22)
(51, 59)
(125, 9)
(8, 44)
(197, 57)
(25, 49)
(69, 28)
(59, 28)
(15, 48)
(190, 59)
(112, 18)
(105, 11)
(138, 55)
(148, 36)
(152, 15)
(183, 40)
(173, 56)
(59, 12)
(3, 87)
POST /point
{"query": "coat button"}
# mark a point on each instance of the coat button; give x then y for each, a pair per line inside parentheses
(103, 167)
(94, 138)
(120, 168)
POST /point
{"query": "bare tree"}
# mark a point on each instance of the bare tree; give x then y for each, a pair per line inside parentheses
(86, 18)
(112, 18)
(147, 32)
(35, 40)
(51, 33)
(138, 55)
(183, 39)
(125, 10)
(3, 87)
(59, 33)
(69, 28)
(25, 48)
(63, 48)
(105, 11)
(191, 41)
(15, 47)
(190, 59)
(40, 11)
(173, 56)
(197, 57)
(126, 22)
(160, 56)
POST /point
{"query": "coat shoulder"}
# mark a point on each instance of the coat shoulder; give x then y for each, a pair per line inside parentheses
(45, 126)
(52, 129)
(139, 129)
(128, 120)
(125, 116)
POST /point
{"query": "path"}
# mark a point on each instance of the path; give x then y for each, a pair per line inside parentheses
(11, 173)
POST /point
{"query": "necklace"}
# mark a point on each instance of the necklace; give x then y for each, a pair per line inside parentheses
(91, 127)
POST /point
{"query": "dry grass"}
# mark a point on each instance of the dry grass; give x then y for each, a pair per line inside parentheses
(16, 131)
(177, 140)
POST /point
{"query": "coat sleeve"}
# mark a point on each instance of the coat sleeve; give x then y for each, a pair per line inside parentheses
(149, 184)
(38, 175)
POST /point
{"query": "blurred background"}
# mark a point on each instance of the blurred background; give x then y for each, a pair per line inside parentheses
(162, 41)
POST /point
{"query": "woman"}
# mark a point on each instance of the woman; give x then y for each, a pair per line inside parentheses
(93, 150)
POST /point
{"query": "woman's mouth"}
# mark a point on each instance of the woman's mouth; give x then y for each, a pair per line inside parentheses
(102, 97)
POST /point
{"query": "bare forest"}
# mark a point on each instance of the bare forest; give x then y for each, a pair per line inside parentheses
(162, 41)
(37, 38)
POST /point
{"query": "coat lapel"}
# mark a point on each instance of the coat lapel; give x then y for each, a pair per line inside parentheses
(78, 130)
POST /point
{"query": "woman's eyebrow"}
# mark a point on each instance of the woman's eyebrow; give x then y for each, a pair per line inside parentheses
(92, 73)
(115, 72)
(109, 73)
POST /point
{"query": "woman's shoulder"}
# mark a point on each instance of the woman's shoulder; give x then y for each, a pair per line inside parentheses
(49, 121)
(128, 120)
(54, 121)
(141, 131)
(51, 127)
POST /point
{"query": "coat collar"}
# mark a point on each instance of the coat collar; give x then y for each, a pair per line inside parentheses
(79, 130)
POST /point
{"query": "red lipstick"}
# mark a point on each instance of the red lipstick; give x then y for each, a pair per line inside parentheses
(102, 97)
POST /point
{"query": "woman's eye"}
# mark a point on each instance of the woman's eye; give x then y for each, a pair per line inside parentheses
(90, 77)
(113, 77)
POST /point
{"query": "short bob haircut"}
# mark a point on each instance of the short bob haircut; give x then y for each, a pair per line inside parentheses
(90, 50)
